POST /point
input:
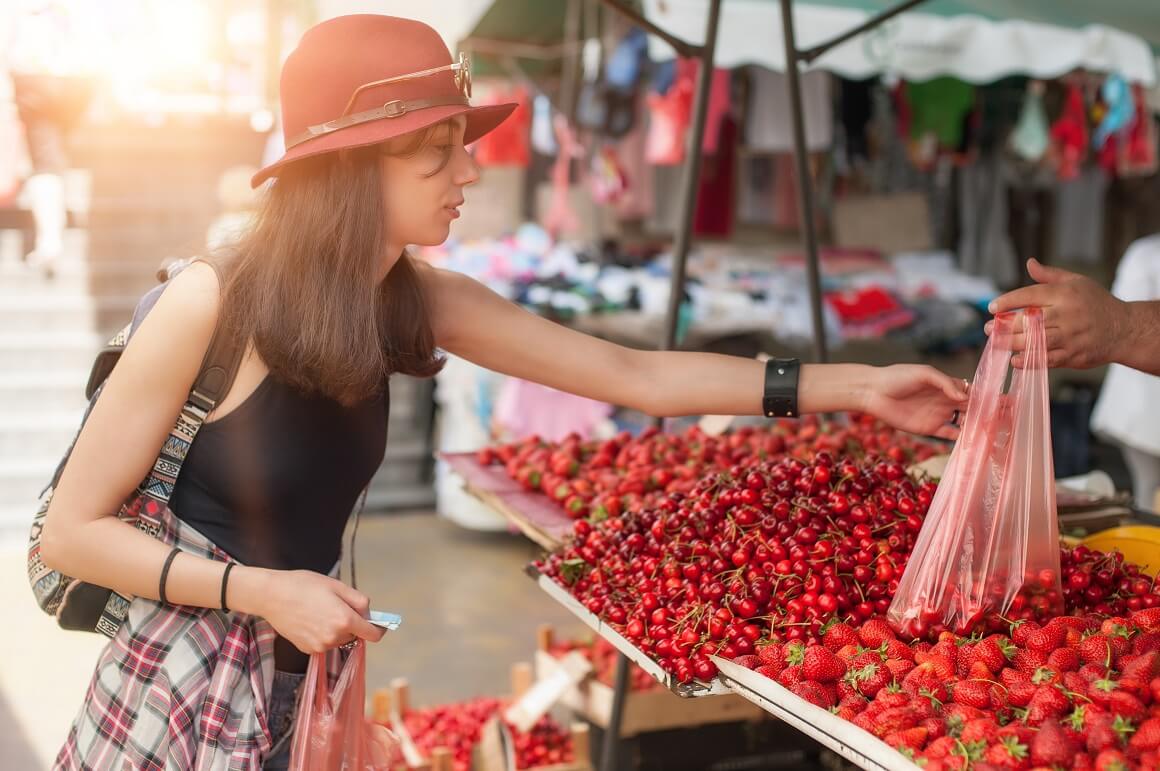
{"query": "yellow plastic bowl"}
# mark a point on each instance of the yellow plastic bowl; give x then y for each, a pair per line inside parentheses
(1139, 544)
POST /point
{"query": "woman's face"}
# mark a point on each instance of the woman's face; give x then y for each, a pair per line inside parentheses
(422, 191)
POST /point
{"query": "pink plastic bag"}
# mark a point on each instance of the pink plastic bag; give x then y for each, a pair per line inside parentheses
(990, 543)
(331, 732)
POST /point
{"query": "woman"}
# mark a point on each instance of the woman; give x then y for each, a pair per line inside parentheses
(328, 304)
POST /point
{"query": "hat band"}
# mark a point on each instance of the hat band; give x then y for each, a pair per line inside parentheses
(393, 109)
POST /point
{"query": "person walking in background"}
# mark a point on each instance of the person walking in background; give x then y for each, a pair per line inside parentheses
(47, 57)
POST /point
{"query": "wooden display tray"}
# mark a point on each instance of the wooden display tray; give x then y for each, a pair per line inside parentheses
(533, 513)
(848, 740)
(388, 705)
(622, 644)
(644, 711)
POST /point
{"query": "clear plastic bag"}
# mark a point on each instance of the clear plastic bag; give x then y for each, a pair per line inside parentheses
(331, 732)
(990, 542)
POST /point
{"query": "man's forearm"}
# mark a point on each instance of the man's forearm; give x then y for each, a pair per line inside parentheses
(1139, 347)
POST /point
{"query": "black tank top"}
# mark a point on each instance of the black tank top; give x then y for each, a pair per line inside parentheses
(274, 481)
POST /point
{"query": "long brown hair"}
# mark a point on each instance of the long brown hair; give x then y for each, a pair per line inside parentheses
(302, 282)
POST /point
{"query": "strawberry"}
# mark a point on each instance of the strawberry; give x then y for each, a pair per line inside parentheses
(1028, 660)
(864, 658)
(910, 738)
(1143, 666)
(749, 662)
(1045, 640)
(874, 632)
(940, 748)
(1100, 691)
(1082, 762)
(1146, 642)
(1147, 619)
(891, 697)
(964, 657)
(869, 680)
(836, 635)
(1045, 676)
(983, 729)
(771, 672)
(979, 671)
(820, 664)
(1020, 689)
(1051, 746)
(812, 692)
(1105, 731)
(900, 668)
(1021, 630)
(994, 651)
(894, 719)
(958, 715)
(974, 693)
(1048, 702)
(791, 675)
(848, 653)
(896, 649)
(846, 688)
(1111, 760)
(935, 727)
(1147, 735)
(1008, 753)
(1114, 626)
(930, 678)
(1096, 649)
(1063, 660)
(773, 656)
(1127, 706)
(850, 706)
(1154, 687)
(1092, 672)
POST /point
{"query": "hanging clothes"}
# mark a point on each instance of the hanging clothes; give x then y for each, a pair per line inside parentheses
(1030, 139)
(855, 112)
(669, 116)
(985, 247)
(638, 199)
(939, 107)
(716, 189)
(560, 218)
(510, 143)
(1079, 216)
(1137, 155)
(768, 117)
(1069, 135)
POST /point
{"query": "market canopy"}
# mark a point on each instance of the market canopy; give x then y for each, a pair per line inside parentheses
(974, 40)
(979, 41)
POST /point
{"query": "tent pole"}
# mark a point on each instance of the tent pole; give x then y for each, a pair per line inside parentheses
(683, 47)
(804, 182)
(571, 75)
(810, 54)
(690, 176)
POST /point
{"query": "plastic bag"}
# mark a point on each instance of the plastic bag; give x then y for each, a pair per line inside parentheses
(331, 732)
(990, 543)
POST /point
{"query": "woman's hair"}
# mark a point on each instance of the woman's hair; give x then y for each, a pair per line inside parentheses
(302, 282)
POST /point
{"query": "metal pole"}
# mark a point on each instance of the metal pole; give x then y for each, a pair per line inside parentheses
(804, 183)
(609, 753)
(689, 178)
(570, 76)
(684, 48)
(810, 54)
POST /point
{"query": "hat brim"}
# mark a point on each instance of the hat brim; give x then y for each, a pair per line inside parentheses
(480, 121)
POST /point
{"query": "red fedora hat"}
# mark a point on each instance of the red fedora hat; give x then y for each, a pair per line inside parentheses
(363, 79)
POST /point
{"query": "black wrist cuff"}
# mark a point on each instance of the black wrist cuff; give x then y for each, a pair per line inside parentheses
(780, 399)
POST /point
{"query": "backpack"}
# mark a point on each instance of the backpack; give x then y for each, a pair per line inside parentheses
(78, 605)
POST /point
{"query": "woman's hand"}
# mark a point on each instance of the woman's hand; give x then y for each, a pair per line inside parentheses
(916, 398)
(314, 612)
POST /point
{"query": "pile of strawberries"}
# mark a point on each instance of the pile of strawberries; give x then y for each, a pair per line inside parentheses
(1078, 692)
(603, 657)
(458, 727)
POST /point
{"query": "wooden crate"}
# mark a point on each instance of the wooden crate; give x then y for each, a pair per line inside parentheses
(644, 711)
(388, 705)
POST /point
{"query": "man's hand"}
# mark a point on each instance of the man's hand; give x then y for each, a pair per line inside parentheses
(1086, 326)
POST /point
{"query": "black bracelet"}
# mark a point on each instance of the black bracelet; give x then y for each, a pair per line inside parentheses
(165, 575)
(780, 399)
(225, 583)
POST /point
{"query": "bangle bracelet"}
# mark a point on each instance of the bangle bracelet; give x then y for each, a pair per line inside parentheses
(780, 399)
(165, 575)
(225, 584)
